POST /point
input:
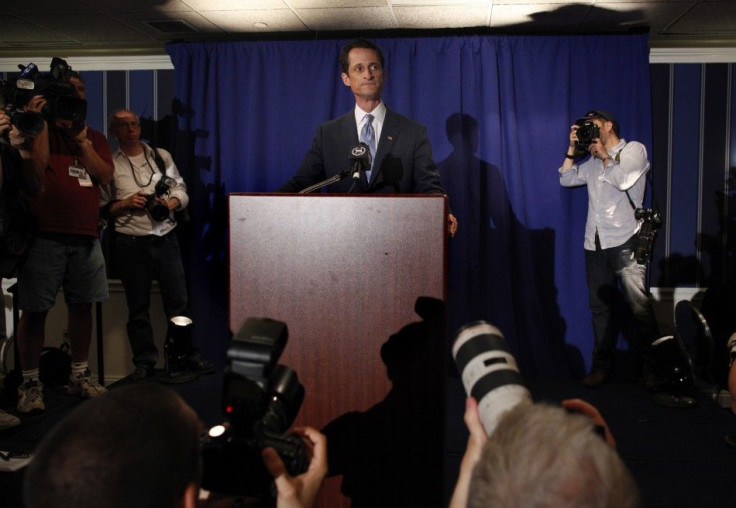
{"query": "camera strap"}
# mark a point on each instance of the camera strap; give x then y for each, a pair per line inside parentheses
(649, 180)
(158, 159)
(184, 214)
(617, 158)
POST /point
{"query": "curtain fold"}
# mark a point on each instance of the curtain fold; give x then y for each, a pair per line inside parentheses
(498, 111)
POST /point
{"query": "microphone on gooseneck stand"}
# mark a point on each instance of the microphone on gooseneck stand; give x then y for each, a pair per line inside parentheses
(360, 158)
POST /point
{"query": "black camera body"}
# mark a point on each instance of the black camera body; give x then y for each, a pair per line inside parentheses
(61, 98)
(159, 211)
(651, 221)
(260, 400)
(587, 132)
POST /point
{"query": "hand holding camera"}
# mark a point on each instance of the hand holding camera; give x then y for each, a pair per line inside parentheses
(4, 123)
(585, 137)
(476, 440)
(156, 205)
(299, 491)
(26, 141)
(136, 201)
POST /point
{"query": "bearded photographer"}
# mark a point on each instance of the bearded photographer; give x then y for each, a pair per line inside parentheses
(614, 171)
(146, 190)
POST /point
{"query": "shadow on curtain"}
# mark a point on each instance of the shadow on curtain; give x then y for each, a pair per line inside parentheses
(498, 111)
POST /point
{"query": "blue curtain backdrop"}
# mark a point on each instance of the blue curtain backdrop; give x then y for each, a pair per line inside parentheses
(498, 111)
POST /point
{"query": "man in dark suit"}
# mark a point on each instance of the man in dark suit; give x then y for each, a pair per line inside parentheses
(401, 156)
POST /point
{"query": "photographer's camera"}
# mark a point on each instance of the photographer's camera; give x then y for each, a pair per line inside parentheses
(158, 210)
(489, 372)
(651, 221)
(587, 133)
(261, 399)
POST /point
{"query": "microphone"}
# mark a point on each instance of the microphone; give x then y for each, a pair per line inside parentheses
(360, 157)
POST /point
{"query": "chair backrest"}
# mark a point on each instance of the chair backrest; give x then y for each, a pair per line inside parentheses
(692, 328)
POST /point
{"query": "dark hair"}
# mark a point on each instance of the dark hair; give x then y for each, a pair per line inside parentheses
(135, 446)
(357, 43)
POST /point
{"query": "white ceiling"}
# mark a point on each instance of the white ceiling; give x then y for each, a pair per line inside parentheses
(119, 26)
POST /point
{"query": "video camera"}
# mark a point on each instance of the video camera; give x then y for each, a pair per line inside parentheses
(61, 98)
(157, 209)
(260, 401)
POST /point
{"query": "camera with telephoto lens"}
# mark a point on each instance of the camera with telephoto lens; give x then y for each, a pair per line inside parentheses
(587, 132)
(60, 95)
(651, 221)
(158, 210)
(261, 399)
(489, 372)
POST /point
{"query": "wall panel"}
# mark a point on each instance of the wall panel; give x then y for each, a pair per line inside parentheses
(685, 168)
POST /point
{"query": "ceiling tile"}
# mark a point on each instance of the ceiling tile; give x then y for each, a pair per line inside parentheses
(96, 24)
(442, 17)
(89, 27)
(538, 17)
(707, 18)
(17, 30)
(138, 20)
(236, 5)
(277, 20)
(332, 4)
(354, 18)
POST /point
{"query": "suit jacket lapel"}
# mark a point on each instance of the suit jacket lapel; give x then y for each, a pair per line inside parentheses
(389, 131)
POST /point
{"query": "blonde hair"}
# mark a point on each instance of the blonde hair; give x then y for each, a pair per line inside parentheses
(542, 456)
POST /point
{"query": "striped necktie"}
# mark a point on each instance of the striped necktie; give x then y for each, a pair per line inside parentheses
(368, 136)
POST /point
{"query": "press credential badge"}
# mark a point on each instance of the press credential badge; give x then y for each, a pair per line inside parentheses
(76, 170)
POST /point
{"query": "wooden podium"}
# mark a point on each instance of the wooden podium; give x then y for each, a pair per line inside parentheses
(344, 273)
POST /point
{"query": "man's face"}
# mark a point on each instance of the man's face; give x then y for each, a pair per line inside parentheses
(365, 75)
(126, 128)
(79, 87)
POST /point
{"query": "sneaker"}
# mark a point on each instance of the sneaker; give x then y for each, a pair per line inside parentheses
(8, 421)
(142, 372)
(595, 379)
(84, 385)
(30, 397)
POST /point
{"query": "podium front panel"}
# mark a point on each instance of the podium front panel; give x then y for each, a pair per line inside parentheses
(344, 273)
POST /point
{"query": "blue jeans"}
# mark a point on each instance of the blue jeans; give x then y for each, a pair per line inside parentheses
(140, 260)
(606, 271)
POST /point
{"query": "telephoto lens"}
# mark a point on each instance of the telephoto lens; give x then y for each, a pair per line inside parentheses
(489, 372)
